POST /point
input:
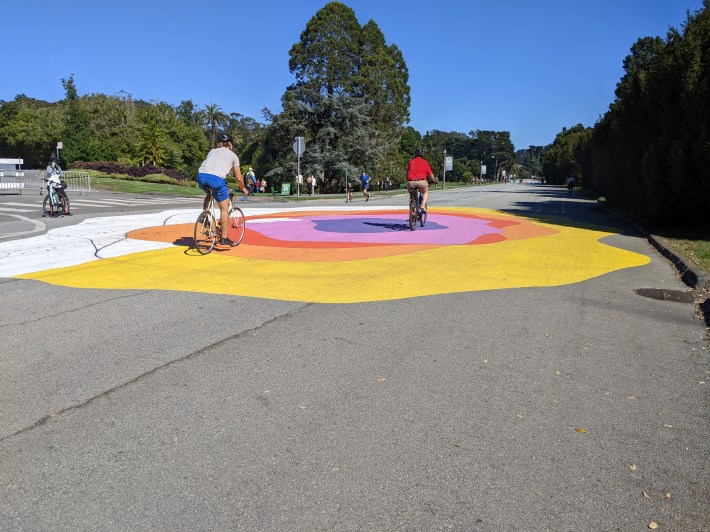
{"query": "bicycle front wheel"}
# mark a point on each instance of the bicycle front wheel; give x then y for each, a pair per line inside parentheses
(205, 232)
(47, 207)
(412, 213)
(422, 219)
(237, 225)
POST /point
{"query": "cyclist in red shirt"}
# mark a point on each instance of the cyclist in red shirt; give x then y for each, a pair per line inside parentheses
(417, 172)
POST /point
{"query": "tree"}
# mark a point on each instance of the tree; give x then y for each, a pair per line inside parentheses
(215, 117)
(76, 136)
(327, 58)
(564, 157)
(350, 98)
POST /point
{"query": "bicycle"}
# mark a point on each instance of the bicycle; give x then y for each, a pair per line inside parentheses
(415, 208)
(207, 227)
(54, 204)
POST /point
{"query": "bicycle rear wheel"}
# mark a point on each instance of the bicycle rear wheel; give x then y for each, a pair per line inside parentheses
(413, 213)
(205, 232)
(237, 225)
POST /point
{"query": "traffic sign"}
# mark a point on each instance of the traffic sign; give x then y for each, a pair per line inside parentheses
(299, 146)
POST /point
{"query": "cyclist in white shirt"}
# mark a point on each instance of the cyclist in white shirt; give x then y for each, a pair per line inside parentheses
(54, 180)
(212, 178)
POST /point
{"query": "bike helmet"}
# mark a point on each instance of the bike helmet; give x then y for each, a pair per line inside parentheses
(224, 137)
(418, 152)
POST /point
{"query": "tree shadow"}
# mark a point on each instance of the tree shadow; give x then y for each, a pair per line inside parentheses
(578, 210)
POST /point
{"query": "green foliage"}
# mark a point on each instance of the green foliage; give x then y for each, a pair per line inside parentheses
(494, 148)
(214, 115)
(567, 154)
(349, 102)
(29, 129)
(650, 153)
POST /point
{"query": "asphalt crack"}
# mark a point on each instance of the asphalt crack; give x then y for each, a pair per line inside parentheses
(45, 419)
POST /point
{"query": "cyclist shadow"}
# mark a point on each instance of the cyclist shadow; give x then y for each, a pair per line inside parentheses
(189, 244)
(390, 225)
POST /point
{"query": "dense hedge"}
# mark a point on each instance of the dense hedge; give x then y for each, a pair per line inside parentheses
(108, 167)
(650, 153)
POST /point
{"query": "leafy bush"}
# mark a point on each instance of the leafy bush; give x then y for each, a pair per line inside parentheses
(115, 169)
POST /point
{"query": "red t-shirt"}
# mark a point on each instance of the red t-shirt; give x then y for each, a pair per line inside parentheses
(418, 169)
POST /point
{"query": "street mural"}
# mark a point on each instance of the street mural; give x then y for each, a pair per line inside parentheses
(320, 255)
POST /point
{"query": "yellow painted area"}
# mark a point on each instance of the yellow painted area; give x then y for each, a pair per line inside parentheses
(569, 255)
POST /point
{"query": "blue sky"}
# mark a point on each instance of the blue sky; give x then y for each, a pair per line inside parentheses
(530, 67)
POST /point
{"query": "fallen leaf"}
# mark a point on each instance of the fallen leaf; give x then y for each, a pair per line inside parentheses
(669, 426)
(521, 417)
(557, 372)
(581, 430)
(633, 467)
(653, 525)
(669, 496)
(302, 407)
(646, 495)
(175, 439)
(485, 361)
(380, 379)
(631, 397)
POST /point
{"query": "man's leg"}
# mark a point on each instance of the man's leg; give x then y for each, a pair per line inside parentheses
(224, 217)
(425, 197)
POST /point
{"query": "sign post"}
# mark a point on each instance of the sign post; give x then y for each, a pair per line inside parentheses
(299, 146)
(59, 147)
(448, 165)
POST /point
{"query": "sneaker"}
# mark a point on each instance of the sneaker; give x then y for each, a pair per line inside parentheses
(244, 198)
(422, 210)
(68, 214)
(227, 242)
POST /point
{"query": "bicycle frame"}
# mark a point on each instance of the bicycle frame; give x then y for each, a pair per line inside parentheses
(415, 208)
(208, 225)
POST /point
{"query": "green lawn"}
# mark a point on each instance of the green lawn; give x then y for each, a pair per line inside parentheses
(140, 187)
(694, 248)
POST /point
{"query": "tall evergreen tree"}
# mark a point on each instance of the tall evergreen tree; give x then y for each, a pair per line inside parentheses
(350, 98)
(77, 133)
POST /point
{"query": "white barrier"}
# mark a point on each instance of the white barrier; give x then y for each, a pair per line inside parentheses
(32, 181)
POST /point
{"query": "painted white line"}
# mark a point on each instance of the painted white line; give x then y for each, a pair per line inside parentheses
(15, 209)
(38, 226)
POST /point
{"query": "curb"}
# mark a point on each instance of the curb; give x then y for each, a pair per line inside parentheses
(692, 276)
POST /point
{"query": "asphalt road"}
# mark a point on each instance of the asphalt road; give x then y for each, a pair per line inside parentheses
(576, 407)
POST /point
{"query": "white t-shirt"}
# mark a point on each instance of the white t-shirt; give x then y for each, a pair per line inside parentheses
(219, 161)
(54, 174)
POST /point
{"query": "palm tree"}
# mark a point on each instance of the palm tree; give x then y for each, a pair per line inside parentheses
(215, 116)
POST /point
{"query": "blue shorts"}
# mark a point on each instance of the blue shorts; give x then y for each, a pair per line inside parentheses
(215, 185)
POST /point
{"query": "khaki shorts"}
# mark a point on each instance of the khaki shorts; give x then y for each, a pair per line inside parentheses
(421, 185)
